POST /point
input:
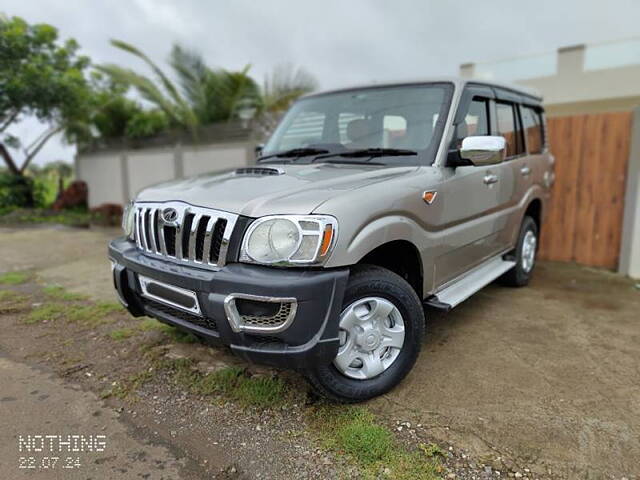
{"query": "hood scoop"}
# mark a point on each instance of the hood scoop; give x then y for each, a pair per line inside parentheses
(259, 171)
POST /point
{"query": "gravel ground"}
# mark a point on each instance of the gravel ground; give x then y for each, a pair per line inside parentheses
(540, 382)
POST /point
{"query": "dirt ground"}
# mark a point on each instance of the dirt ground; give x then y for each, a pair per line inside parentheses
(545, 379)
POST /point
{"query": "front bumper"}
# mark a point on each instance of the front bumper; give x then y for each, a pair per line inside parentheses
(310, 339)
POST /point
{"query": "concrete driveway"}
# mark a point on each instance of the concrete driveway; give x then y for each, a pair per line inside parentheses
(546, 376)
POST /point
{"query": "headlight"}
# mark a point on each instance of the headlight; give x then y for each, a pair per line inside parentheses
(289, 240)
(127, 219)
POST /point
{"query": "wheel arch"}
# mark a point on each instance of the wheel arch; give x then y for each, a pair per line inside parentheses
(401, 257)
(534, 210)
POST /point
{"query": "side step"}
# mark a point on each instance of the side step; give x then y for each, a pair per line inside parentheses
(469, 284)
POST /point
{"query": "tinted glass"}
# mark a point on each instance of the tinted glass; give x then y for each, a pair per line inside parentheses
(532, 129)
(508, 128)
(394, 117)
(476, 121)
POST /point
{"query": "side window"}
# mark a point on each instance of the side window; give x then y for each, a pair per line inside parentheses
(508, 127)
(532, 124)
(476, 121)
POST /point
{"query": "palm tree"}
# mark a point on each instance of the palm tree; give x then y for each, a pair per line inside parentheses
(284, 85)
(205, 95)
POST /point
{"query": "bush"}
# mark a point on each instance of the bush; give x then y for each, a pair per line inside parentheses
(17, 191)
(146, 124)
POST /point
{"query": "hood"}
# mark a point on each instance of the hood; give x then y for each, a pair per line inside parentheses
(297, 189)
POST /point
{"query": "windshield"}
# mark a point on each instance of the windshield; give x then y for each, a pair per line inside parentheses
(410, 118)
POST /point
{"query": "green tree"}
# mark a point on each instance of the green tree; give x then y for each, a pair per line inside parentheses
(204, 95)
(41, 77)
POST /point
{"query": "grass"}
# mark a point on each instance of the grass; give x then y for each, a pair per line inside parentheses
(362, 438)
(233, 382)
(48, 312)
(92, 315)
(173, 333)
(355, 432)
(59, 293)
(11, 302)
(124, 389)
(21, 216)
(14, 278)
(122, 333)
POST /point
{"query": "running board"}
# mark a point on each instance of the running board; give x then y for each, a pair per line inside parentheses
(462, 289)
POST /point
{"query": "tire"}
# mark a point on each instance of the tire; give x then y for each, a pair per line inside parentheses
(520, 275)
(372, 290)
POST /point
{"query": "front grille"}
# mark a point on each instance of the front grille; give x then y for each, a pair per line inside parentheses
(169, 311)
(195, 235)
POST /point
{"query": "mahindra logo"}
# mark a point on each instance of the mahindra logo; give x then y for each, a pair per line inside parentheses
(169, 215)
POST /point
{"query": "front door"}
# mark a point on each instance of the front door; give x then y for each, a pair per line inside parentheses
(473, 198)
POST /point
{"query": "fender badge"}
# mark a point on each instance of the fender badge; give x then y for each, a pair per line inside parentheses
(429, 197)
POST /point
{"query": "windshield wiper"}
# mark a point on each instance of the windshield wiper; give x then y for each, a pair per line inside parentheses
(295, 152)
(368, 152)
(349, 162)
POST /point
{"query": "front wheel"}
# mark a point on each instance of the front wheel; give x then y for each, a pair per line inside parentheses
(381, 330)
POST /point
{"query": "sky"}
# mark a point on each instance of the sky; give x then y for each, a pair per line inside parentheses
(340, 42)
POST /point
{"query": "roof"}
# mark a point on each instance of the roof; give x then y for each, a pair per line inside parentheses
(457, 81)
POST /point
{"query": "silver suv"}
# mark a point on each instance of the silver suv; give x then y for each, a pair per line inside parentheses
(366, 208)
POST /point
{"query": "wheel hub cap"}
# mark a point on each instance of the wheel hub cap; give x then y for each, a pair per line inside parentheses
(368, 340)
(371, 338)
(529, 251)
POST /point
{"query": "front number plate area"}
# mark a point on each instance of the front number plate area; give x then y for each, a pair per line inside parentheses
(170, 295)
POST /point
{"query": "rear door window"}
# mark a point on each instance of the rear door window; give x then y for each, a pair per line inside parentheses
(509, 128)
(532, 124)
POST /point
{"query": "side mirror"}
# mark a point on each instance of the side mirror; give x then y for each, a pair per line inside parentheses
(258, 149)
(481, 151)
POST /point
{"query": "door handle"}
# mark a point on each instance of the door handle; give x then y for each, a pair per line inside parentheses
(525, 171)
(490, 178)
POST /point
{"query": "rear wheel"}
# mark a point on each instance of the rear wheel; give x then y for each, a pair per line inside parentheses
(381, 330)
(525, 255)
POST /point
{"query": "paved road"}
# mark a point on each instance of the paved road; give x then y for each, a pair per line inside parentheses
(51, 430)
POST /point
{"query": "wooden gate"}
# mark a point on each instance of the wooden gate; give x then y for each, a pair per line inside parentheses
(584, 221)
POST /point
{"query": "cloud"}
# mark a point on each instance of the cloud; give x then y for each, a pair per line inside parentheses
(341, 42)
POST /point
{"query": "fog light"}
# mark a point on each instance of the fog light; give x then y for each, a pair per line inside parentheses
(253, 313)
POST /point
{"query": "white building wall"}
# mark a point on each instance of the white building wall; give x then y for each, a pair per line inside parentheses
(103, 174)
(148, 167)
(203, 160)
(630, 247)
(117, 176)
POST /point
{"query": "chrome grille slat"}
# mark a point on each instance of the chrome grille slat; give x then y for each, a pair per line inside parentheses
(207, 239)
(192, 236)
(178, 240)
(138, 236)
(224, 245)
(163, 244)
(152, 223)
(201, 234)
(145, 229)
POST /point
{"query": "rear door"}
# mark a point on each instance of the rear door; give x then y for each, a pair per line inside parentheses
(514, 171)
